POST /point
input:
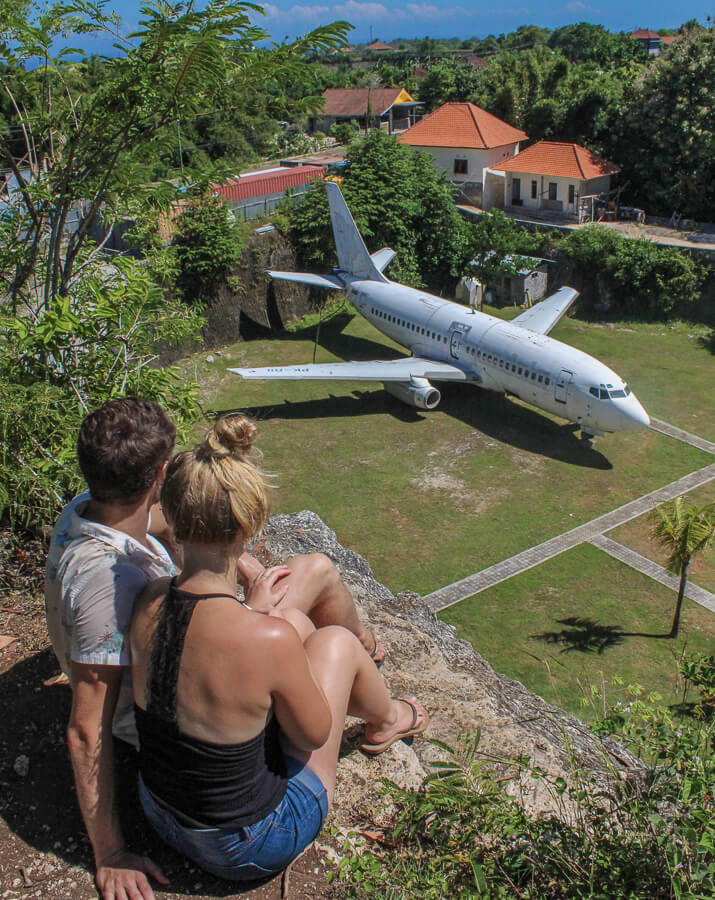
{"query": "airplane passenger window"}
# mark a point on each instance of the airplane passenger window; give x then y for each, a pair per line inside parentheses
(533, 376)
(518, 372)
(526, 373)
(541, 378)
(546, 380)
(513, 367)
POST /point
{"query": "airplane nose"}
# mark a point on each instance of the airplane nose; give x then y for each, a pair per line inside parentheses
(637, 416)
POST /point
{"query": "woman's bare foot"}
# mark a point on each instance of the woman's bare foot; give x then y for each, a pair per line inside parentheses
(410, 718)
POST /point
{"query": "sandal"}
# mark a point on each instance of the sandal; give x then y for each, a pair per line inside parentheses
(414, 728)
(376, 648)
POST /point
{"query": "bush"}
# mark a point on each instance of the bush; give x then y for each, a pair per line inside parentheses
(71, 356)
(645, 833)
(343, 132)
(207, 243)
(645, 279)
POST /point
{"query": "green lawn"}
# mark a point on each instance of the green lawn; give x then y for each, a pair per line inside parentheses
(428, 498)
(579, 620)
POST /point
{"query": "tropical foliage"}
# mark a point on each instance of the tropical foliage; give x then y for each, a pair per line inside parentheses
(645, 831)
(80, 142)
(685, 531)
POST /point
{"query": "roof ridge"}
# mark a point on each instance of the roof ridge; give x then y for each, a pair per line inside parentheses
(576, 148)
(472, 107)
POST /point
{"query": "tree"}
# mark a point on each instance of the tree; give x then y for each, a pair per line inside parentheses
(497, 244)
(593, 43)
(77, 327)
(673, 100)
(685, 531)
(398, 199)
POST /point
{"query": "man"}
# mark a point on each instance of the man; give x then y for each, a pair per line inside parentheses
(100, 559)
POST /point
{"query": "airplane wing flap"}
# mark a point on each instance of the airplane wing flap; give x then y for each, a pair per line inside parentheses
(378, 370)
(542, 317)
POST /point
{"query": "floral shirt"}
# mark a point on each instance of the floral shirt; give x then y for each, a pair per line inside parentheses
(93, 577)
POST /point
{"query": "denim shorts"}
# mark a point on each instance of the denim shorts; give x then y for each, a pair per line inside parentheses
(254, 852)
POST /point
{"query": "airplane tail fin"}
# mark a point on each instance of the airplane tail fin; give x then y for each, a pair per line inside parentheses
(353, 257)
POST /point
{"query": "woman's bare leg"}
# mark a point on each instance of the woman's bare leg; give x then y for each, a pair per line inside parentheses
(352, 685)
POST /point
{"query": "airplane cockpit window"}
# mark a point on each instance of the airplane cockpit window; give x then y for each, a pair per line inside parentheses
(594, 392)
(626, 390)
(618, 393)
(604, 394)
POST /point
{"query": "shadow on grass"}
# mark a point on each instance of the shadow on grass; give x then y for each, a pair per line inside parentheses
(491, 414)
(587, 636)
(708, 342)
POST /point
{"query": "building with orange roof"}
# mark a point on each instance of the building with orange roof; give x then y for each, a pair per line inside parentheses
(550, 175)
(651, 40)
(392, 109)
(465, 140)
(379, 46)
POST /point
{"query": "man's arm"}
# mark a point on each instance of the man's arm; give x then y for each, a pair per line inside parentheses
(119, 873)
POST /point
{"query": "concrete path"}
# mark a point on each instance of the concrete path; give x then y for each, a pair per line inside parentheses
(680, 435)
(534, 556)
(653, 570)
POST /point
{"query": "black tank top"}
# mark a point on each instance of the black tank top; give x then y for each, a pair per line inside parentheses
(204, 784)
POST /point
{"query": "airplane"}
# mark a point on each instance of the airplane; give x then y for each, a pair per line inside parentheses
(450, 342)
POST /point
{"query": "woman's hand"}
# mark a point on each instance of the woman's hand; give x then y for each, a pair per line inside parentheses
(266, 591)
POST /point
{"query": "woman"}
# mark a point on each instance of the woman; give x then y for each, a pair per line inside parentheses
(240, 712)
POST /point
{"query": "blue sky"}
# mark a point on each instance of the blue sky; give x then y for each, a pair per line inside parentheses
(457, 18)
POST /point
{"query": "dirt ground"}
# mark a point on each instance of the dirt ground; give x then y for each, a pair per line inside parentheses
(44, 852)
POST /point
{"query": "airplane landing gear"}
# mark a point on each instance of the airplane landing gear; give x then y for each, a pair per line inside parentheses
(588, 439)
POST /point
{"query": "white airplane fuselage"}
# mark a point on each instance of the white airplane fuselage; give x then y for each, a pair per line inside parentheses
(499, 356)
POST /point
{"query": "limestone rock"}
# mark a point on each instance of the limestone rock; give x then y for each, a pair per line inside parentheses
(459, 688)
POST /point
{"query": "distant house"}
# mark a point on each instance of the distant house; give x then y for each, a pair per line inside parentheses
(550, 175)
(649, 39)
(465, 140)
(380, 47)
(477, 62)
(257, 194)
(391, 109)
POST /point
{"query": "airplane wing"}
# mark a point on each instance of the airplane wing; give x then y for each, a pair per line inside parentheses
(542, 317)
(402, 369)
(324, 281)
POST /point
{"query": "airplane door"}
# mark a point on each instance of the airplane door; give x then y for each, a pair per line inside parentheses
(456, 340)
(561, 386)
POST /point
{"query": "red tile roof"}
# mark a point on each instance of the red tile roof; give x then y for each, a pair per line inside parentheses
(379, 45)
(561, 160)
(274, 181)
(354, 101)
(643, 33)
(462, 125)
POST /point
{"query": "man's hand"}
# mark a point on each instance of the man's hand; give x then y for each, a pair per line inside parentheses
(121, 877)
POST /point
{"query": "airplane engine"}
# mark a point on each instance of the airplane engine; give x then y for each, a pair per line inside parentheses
(419, 392)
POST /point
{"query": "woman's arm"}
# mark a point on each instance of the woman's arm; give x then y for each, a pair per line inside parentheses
(300, 705)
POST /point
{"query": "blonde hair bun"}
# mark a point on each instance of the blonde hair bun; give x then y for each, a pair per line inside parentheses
(234, 436)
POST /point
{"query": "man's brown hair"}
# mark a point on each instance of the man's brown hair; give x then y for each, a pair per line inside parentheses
(122, 447)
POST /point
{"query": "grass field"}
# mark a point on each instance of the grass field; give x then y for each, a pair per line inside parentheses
(582, 619)
(428, 498)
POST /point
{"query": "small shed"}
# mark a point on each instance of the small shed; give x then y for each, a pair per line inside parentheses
(527, 284)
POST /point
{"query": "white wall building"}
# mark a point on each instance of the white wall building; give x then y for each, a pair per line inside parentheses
(549, 175)
(465, 140)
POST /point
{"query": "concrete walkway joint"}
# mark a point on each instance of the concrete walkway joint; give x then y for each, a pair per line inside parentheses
(534, 556)
(653, 570)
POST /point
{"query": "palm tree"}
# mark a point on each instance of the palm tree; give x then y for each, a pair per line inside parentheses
(684, 531)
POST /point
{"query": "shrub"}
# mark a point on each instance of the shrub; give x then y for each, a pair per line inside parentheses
(645, 833)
